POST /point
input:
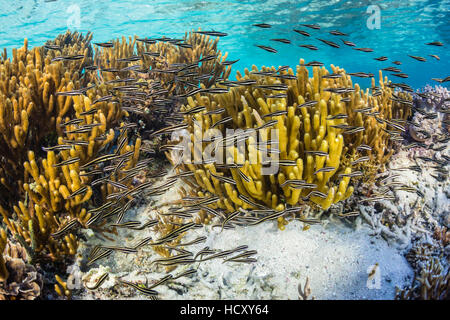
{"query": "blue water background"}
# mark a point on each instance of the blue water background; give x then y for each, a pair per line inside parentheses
(405, 28)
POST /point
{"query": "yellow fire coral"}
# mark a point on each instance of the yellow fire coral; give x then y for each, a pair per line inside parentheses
(329, 134)
(161, 55)
(29, 107)
(58, 187)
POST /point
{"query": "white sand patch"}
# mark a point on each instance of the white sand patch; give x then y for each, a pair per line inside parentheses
(335, 258)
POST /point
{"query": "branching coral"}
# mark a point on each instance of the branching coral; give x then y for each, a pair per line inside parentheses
(59, 188)
(433, 283)
(29, 107)
(167, 70)
(328, 132)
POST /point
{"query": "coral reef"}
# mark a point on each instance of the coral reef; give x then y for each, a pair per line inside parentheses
(30, 110)
(170, 69)
(19, 280)
(330, 132)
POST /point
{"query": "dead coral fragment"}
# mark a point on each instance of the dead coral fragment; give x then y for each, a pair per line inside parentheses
(433, 283)
(18, 279)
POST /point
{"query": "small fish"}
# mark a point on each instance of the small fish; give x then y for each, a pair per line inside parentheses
(100, 281)
(230, 62)
(242, 255)
(400, 75)
(195, 241)
(184, 274)
(69, 58)
(250, 202)
(161, 281)
(364, 49)
(363, 147)
(194, 110)
(397, 63)
(130, 59)
(66, 162)
(120, 249)
(382, 58)
(73, 223)
(78, 192)
(418, 58)
(338, 116)
(224, 120)
(330, 43)
(361, 74)
(224, 179)
(325, 169)
(312, 26)
(128, 224)
(435, 56)
(303, 33)
(308, 104)
(337, 33)
(317, 153)
(140, 288)
(263, 25)
(435, 43)
(215, 90)
(352, 174)
(269, 49)
(152, 54)
(58, 147)
(212, 33)
(354, 130)
(309, 46)
(149, 41)
(359, 160)
(104, 44)
(275, 114)
(348, 214)
(349, 43)
(332, 76)
(89, 112)
(377, 198)
(282, 40)
(277, 96)
(52, 47)
(184, 45)
(278, 87)
(314, 64)
(101, 255)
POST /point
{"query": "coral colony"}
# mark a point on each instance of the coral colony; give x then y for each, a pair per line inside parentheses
(81, 123)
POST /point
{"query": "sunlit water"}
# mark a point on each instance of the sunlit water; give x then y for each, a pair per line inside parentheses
(405, 27)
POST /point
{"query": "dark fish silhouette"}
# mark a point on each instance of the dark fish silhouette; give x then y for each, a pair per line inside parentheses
(364, 49)
(435, 43)
(309, 46)
(421, 59)
(330, 43)
(303, 33)
(104, 44)
(212, 33)
(263, 25)
(349, 43)
(287, 41)
(312, 26)
(338, 33)
(269, 49)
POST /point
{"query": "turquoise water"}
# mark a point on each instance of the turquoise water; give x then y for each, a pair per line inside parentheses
(405, 27)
